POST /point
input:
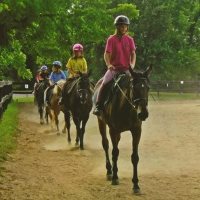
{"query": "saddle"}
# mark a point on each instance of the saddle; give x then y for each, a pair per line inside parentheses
(112, 88)
(70, 84)
(42, 83)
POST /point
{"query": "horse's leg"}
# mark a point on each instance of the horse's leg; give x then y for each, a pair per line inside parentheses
(67, 125)
(135, 158)
(52, 118)
(83, 131)
(105, 144)
(46, 115)
(40, 109)
(78, 130)
(115, 137)
(56, 113)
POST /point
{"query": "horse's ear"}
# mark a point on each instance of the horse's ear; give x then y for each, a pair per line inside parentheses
(133, 74)
(148, 70)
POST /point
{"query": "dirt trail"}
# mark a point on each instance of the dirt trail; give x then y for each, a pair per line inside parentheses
(45, 167)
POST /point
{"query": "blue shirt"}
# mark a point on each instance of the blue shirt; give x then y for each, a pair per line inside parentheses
(55, 77)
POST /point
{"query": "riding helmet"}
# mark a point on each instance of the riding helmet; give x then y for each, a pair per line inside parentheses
(121, 19)
(43, 68)
(57, 63)
(78, 47)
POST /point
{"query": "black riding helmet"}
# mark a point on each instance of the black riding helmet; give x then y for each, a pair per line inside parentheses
(121, 19)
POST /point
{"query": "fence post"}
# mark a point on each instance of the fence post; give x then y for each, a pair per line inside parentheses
(5, 95)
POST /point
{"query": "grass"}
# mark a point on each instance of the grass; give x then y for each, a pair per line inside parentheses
(24, 99)
(166, 96)
(8, 130)
(9, 126)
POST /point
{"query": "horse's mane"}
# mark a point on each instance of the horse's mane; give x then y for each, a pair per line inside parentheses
(60, 85)
(61, 82)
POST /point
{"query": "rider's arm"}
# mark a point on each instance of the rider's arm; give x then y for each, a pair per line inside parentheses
(107, 57)
(133, 54)
(133, 59)
(84, 66)
(70, 68)
(51, 79)
(107, 54)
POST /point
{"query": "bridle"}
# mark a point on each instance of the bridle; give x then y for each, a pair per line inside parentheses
(133, 102)
(135, 83)
(82, 91)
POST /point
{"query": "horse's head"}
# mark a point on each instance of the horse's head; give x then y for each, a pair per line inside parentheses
(140, 86)
(83, 88)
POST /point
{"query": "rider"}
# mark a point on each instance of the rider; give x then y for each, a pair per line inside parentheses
(119, 56)
(75, 65)
(42, 75)
(56, 75)
(77, 62)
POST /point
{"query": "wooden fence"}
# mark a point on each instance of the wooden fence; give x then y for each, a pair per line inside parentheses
(175, 86)
(7, 88)
(5, 95)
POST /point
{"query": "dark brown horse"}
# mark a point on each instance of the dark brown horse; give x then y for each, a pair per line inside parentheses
(39, 97)
(124, 110)
(77, 98)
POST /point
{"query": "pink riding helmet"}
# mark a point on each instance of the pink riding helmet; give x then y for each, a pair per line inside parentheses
(78, 47)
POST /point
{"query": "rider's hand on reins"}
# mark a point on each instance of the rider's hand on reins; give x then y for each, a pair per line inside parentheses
(111, 67)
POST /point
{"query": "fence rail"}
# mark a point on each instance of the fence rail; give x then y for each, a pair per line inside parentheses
(5, 95)
(22, 87)
(176, 86)
(7, 88)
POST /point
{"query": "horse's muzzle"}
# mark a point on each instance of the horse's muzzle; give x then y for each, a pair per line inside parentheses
(143, 115)
(83, 101)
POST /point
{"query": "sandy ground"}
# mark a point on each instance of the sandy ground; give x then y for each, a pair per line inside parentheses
(45, 167)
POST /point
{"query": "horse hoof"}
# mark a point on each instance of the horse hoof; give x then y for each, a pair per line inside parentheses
(69, 141)
(58, 133)
(63, 131)
(41, 122)
(136, 191)
(109, 177)
(81, 148)
(76, 144)
(115, 182)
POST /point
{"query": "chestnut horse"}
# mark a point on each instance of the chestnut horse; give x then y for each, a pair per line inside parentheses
(124, 110)
(53, 110)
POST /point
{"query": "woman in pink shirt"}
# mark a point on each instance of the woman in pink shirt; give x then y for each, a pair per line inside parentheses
(119, 55)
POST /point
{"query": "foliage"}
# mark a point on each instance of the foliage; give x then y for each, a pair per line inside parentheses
(165, 37)
(13, 58)
(36, 32)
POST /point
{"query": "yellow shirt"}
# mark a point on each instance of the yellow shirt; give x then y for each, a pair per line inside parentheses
(75, 65)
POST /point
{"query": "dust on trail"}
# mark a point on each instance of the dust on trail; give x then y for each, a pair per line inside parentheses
(45, 167)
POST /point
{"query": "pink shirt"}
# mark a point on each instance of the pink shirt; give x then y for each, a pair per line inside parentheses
(120, 49)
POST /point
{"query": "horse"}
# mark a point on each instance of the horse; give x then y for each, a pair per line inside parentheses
(39, 97)
(124, 110)
(53, 109)
(78, 104)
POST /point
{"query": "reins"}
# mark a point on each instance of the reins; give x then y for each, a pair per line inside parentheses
(125, 96)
